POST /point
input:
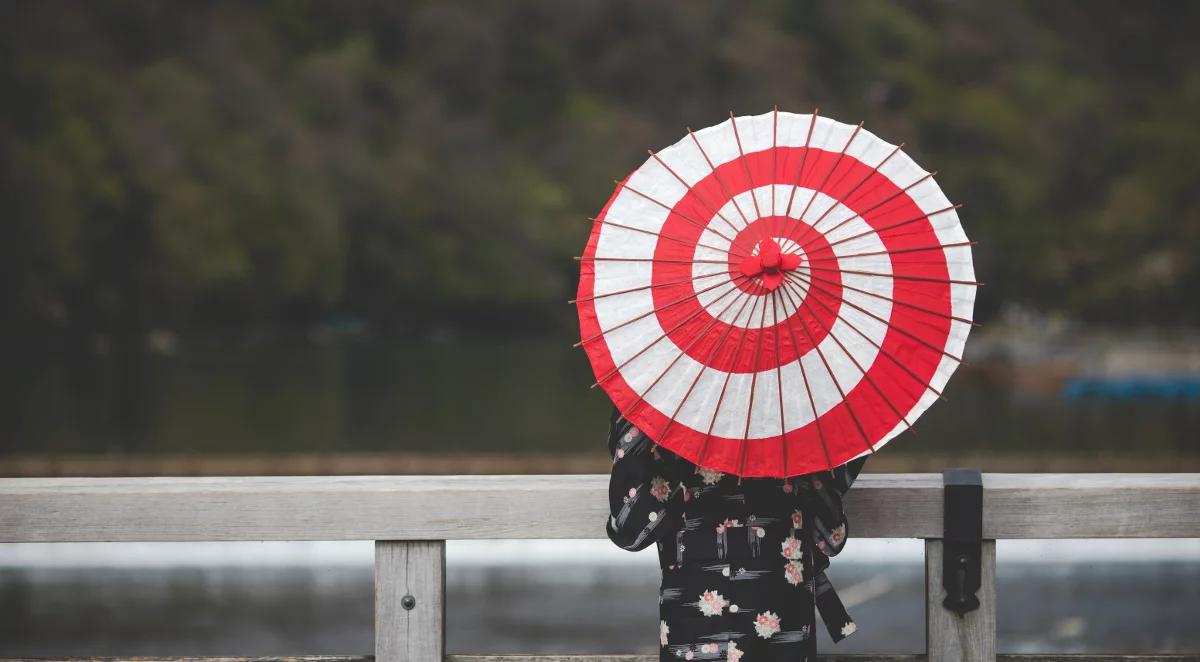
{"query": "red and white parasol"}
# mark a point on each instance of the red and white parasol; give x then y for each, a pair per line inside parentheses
(776, 294)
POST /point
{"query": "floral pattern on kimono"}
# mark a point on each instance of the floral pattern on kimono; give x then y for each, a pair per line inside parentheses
(758, 608)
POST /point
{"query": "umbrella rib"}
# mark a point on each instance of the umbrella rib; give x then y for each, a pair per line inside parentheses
(682, 215)
(834, 379)
(803, 159)
(774, 158)
(824, 181)
(762, 319)
(829, 331)
(812, 402)
(779, 382)
(721, 398)
(845, 199)
(918, 249)
(651, 286)
(924, 279)
(964, 320)
(670, 260)
(652, 233)
(664, 334)
(693, 295)
(877, 346)
(696, 193)
(893, 226)
(875, 206)
(720, 181)
(742, 158)
(746, 298)
(889, 324)
(708, 327)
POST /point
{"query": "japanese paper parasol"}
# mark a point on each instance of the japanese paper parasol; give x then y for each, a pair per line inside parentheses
(775, 295)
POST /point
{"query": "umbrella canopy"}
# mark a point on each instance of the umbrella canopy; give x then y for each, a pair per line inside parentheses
(775, 295)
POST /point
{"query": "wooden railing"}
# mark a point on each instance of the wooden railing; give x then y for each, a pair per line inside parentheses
(411, 517)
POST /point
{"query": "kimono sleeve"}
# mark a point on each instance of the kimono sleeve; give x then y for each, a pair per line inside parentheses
(644, 495)
(830, 528)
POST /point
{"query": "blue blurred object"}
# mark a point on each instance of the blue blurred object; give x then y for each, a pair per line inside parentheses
(1165, 387)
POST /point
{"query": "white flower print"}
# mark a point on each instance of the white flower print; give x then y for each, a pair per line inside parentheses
(837, 535)
(797, 519)
(708, 648)
(791, 548)
(710, 476)
(660, 488)
(712, 603)
(663, 629)
(732, 653)
(849, 629)
(766, 624)
(793, 572)
(727, 523)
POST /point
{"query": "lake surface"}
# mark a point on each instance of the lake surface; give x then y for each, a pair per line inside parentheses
(554, 596)
(507, 395)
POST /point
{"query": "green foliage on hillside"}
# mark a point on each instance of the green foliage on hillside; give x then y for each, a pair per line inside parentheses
(237, 163)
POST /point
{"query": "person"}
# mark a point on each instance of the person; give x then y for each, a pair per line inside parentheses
(743, 566)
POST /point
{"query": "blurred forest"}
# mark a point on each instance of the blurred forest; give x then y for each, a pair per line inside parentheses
(232, 166)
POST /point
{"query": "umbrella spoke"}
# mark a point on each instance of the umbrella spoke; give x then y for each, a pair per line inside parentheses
(924, 279)
(812, 402)
(877, 346)
(866, 375)
(721, 398)
(746, 298)
(670, 260)
(774, 156)
(892, 226)
(664, 235)
(699, 336)
(762, 319)
(875, 206)
(693, 295)
(889, 324)
(896, 251)
(665, 283)
(832, 377)
(678, 213)
(891, 300)
(695, 194)
(746, 167)
(836, 163)
(691, 316)
(717, 176)
(779, 383)
(809, 227)
(803, 159)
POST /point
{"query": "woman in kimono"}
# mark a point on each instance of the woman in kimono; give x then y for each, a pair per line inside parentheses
(742, 565)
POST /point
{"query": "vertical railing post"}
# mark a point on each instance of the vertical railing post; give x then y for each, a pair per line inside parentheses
(950, 637)
(410, 600)
(960, 576)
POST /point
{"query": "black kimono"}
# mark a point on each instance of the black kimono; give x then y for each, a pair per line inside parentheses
(742, 565)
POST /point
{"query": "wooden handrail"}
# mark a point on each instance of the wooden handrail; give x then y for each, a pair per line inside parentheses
(513, 506)
(410, 518)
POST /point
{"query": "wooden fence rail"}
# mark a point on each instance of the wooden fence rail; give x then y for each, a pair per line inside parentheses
(411, 517)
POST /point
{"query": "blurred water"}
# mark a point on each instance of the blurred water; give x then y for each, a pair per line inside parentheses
(552, 596)
(518, 395)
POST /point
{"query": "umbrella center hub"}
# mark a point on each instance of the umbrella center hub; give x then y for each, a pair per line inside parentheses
(769, 264)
